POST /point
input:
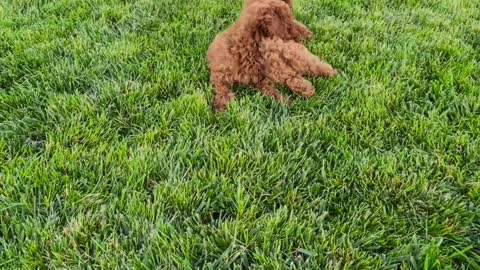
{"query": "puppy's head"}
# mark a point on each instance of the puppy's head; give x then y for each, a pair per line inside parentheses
(269, 18)
(248, 2)
(276, 21)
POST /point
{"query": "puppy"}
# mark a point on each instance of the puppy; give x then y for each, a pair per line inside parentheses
(262, 49)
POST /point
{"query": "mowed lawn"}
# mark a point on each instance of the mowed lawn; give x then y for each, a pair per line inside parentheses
(110, 156)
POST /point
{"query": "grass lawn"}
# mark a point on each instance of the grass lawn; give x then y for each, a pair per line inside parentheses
(110, 157)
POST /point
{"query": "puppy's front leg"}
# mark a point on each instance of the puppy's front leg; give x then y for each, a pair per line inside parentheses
(304, 62)
(302, 29)
(222, 96)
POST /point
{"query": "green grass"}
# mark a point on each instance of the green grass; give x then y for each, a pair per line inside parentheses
(110, 156)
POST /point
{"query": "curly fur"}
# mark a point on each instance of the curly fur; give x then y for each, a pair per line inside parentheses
(262, 49)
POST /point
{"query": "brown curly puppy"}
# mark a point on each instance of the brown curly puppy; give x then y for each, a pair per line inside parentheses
(261, 49)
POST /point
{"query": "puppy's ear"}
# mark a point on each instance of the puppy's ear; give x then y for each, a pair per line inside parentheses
(289, 2)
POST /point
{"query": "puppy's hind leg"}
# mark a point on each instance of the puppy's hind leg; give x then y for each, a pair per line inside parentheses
(282, 73)
(300, 86)
(267, 88)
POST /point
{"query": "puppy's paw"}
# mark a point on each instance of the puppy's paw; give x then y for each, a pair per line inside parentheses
(308, 34)
(220, 102)
(331, 73)
(325, 70)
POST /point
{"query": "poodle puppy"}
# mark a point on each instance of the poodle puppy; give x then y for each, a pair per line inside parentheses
(262, 49)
